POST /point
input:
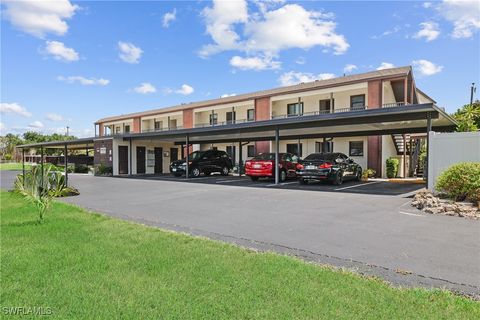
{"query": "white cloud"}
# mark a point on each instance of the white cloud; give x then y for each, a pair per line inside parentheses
(60, 52)
(254, 63)
(268, 32)
(429, 30)
(301, 60)
(129, 52)
(427, 5)
(54, 117)
(168, 18)
(36, 125)
(426, 68)
(387, 33)
(185, 90)
(226, 95)
(2, 128)
(14, 108)
(39, 18)
(385, 65)
(465, 16)
(84, 81)
(145, 88)
(292, 77)
(349, 68)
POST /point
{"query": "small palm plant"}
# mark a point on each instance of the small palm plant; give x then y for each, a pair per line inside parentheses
(34, 185)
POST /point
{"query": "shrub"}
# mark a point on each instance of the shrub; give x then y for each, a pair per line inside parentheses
(368, 173)
(104, 170)
(81, 169)
(461, 181)
(35, 187)
(392, 167)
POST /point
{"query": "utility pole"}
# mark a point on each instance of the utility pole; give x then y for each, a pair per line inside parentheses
(67, 130)
(472, 91)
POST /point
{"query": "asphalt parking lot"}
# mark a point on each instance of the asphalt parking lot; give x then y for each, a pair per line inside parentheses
(375, 187)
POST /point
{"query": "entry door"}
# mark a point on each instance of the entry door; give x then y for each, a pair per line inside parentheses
(231, 117)
(140, 160)
(122, 160)
(173, 154)
(158, 160)
(231, 152)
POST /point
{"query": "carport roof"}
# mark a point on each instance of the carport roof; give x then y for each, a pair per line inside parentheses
(381, 121)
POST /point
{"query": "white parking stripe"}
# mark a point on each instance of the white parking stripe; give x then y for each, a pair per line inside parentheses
(281, 184)
(228, 181)
(357, 185)
(411, 214)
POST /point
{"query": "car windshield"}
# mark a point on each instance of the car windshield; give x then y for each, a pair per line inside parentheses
(196, 155)
(321, 157)
(265, 156)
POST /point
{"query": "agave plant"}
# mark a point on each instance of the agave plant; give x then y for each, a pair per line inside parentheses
(34, 185)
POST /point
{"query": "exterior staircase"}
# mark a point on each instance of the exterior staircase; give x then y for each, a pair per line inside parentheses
(412, 146)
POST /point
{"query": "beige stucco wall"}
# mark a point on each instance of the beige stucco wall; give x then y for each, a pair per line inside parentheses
(388, 150)
(388, 96)
(203, 117)
(149, 146)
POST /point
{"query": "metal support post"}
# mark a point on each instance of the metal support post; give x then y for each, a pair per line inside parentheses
(277, 156)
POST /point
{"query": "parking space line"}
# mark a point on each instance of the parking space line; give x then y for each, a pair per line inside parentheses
(281, 184)
(357, 185)
(234, 180)
(411, 214)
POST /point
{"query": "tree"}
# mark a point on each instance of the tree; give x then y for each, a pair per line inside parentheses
(8, 144)
(468, 117)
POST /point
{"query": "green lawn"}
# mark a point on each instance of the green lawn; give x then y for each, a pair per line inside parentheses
(85, 265)
(13, 166)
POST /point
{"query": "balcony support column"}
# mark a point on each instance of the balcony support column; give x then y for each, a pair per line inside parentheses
(277, 156)
(187, 142)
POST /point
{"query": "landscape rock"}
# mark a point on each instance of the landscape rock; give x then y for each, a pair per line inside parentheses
(431, 204)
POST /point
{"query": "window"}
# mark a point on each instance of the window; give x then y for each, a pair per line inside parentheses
(295, 109)
(251, 151)
(324, 106)
(127, 128)
(251, 115)
(322, 147)
(173, 124)
(357, 101)
(355, 149)
(292, 148)
(158, 125)
(213, 118)
(117, 130)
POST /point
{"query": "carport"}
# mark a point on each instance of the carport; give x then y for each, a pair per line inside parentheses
(77, 144)
(418, 118)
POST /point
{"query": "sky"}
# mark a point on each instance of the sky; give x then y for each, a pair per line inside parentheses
(70, 63)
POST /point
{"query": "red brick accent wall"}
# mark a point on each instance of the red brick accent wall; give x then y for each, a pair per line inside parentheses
(188, 118)
(103, 152)
(262, 109)
(100, 129)
(262, 112)
(374, 152)
(136, 125)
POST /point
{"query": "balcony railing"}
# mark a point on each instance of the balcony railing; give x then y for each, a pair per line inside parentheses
(283, 116)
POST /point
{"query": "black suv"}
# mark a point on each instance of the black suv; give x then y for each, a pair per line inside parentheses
(204, 162)
(334, 167)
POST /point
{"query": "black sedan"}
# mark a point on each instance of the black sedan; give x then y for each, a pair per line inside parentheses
(204, 162)
(334, 167)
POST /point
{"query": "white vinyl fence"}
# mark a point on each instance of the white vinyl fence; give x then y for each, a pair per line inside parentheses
(447, 149)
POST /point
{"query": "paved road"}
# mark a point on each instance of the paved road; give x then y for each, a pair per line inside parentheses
(373, 234)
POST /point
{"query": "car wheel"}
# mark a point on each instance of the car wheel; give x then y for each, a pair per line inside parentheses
(302, 181)
(225, 171)
(283, 176)
(358, 177)
(195, 172)
(338, 179)
(254, 178)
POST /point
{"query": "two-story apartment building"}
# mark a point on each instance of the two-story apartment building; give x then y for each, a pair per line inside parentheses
(368, 116)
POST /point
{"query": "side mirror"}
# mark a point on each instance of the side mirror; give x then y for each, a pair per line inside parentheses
(350, 161)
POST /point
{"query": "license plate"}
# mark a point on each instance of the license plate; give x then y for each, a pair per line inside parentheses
(174, 169)
(310, 167)
(257, 166)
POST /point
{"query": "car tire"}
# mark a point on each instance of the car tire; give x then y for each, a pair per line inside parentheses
(358, 177)
(338, 179)
(283, 176)
(254, 178)
(302, 181)
(225, 171)
(195, 172)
